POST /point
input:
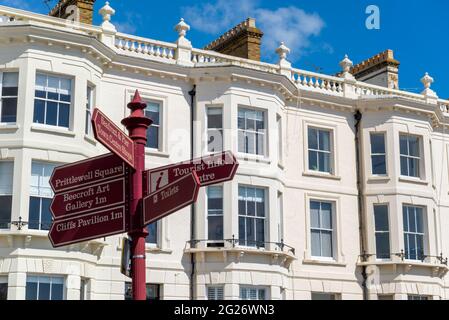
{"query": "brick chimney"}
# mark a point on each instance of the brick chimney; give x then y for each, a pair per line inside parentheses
(85, 7)
(242, 41)
(381, 70)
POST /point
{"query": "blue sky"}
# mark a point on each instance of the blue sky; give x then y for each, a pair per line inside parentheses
(319, 33)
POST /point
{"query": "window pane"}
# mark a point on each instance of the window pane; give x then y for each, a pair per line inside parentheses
(413, 167)
(10, 91)
(57, 291)
(316, 243)
(152, 236)
(152, 112)
(322, 296)
(34, 213)
(5, 211)
(153, 137)
(250, 234)
(419, 220)
(44, 291)
(383, 245)
(46, 217)
(10, 80)
(260, 147)
(64, 115)
(260, 231)
(51, 117)
(242, 231)
(313, 138)
(324, 140)
(31, 290)
(3, 291)
(377, 143)
(403, 145)
(242, 141)
(9, 110)
(326, 215)
(324, 162)
(378, 165)
(39, 111)
(214, 118)
(214, 140)
(404, 166)
(215, 228)
(313, 160)
(381, 218)
(326, 243)
(413, 146)
(315, 214)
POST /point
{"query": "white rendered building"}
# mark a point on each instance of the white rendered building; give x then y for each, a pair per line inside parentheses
(341, 193)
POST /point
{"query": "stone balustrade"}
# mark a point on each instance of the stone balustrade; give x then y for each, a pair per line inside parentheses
(145, 47)
(318, 82)
(166, 52)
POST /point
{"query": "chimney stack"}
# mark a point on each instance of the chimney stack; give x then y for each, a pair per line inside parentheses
(242, 41)
(381, 70)
(84, 14)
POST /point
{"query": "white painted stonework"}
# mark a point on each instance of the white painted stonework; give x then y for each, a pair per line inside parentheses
(117, 64)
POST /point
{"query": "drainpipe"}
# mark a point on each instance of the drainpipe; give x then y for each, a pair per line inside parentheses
(359, 168)
(192, 95)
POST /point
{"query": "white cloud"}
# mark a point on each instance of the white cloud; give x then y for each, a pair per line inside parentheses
(125, 27)
(290, 24)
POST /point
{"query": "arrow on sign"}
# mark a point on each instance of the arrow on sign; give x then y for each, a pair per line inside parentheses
(87, 227)
(85, 172)
(94, 197)
(112, 137)
(171, 198)
(211, 169)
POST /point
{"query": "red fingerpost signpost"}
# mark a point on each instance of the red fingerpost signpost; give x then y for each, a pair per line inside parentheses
(104, 196)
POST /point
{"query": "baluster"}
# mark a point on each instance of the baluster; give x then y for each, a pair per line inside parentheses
(194, 58)
(304, 80)
(126, 46)
(120, 44)
(328, 85)
(133, 46)
(164, 53)
(333, 87)
(139, 47)
(145, 49)
(316, 84)
(151, 50)
(158, 51)
(201, 59)
(171, 53)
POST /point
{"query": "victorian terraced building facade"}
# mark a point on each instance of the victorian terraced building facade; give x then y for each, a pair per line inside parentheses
(341, 193)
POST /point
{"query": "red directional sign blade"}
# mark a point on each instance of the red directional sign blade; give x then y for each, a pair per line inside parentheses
(87, 199)
(88, 227)
(211, 169)
(85, 172)
(112, 137)
(171, 198)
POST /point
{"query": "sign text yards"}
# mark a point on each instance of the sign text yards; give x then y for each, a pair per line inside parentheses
(112, 137)
(87, 199)
(82, 173)
(87, 227)
(171, 198)
(211, 169)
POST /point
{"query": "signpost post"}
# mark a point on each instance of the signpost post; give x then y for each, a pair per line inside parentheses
(101, 196)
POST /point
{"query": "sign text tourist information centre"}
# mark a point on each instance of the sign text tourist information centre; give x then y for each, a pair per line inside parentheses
(113, 194)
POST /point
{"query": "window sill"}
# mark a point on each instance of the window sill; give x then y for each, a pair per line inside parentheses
(53, 130)
(413, 180)
(323, 262)
(154, 249)
(90, 139)
(281, 166)
(9, 127)
(321, 175)
(377, 179)
(156, 153)
(254, 158)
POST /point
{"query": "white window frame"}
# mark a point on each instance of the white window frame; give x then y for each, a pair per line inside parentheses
(379, 154)
(332, 231)
(214, 215)
(40, 196)
(408, 156)
(382, 231)
(64, 293)
(71, 104)
(336, 223)
(258, 290)
(217, 289)
(1, 95)
(90, 104)
(214, 130)
(334, 149)
(265, 133)
(158, 126)
(9, 192)
(415, 234)
(265, 218)
(280, 140)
